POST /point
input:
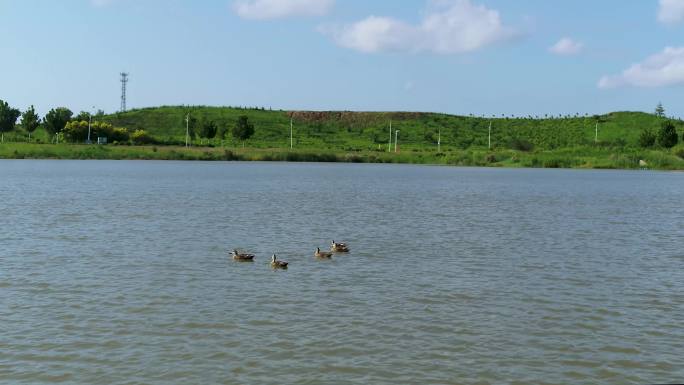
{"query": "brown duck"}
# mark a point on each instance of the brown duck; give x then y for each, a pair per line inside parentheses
(278, 264)
(242, 257)
(339, 247)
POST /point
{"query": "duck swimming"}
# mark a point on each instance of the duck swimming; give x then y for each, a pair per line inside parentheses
(322, 254)
(242, 257)
(339, 247)
(278, 264)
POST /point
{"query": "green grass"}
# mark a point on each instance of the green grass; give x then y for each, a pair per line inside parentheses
(581, 157)
(363, 137)
(370, 131)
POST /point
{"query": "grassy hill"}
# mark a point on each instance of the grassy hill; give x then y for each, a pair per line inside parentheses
(343, 136)
(370, 130)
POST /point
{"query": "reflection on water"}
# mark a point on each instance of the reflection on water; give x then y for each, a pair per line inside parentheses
(119, 272)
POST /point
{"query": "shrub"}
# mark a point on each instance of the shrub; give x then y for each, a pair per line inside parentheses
(553, 163)
(75, 131)
(667, 135)
(430, 137)
(647, 138)
(352, 158)
(141, 137)
(120, 134)
(228, 155)
(101, 129)
(619, 142)
(521, 145)
(679, 152)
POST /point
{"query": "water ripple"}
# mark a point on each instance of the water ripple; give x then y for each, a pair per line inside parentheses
(455, 275)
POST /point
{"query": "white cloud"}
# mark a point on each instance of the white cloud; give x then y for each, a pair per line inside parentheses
(276, 9)
(448, 27)
(566, 46)
(671, 11)
(662, 69)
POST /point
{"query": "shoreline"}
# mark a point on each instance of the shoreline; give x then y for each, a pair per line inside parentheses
(566, 158)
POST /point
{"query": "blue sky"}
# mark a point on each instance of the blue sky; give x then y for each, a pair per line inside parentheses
(486, 57)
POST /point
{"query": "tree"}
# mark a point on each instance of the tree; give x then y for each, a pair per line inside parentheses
(141, 137)
(105, 130)
(430, 137)
(82, 116)
(667, 135)
(8, 118)
(57, 119)
(191, 123)
(243, 130)
(120, 135)
(223, 130)
(660, 110)
(647, 138)
(75, 131)
(30, 120)
(208, 129)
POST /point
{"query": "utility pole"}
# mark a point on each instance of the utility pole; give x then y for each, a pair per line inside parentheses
(490, 135)
(596, 135)
(439, 140)
(396, 136)
(90, 123)
(187, 129)
(389, 146)
(291, 136)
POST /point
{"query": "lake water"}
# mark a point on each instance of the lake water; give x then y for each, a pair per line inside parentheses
(118, 273)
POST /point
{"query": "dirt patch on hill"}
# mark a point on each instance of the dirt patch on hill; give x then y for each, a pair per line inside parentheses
(350, 117)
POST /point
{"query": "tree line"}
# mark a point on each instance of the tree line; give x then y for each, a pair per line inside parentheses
(61, 122)
(54, 121)
(209, 129)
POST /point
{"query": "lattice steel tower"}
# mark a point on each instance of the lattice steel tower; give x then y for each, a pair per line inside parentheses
(124, 82)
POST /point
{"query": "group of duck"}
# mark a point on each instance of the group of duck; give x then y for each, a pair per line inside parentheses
(335, 247)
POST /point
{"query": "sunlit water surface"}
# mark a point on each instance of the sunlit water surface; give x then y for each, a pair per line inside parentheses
(117, 272)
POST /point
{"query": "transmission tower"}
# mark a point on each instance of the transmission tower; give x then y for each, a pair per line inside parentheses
(124, 81)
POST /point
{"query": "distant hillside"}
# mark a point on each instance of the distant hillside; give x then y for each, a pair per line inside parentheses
(370, 130)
